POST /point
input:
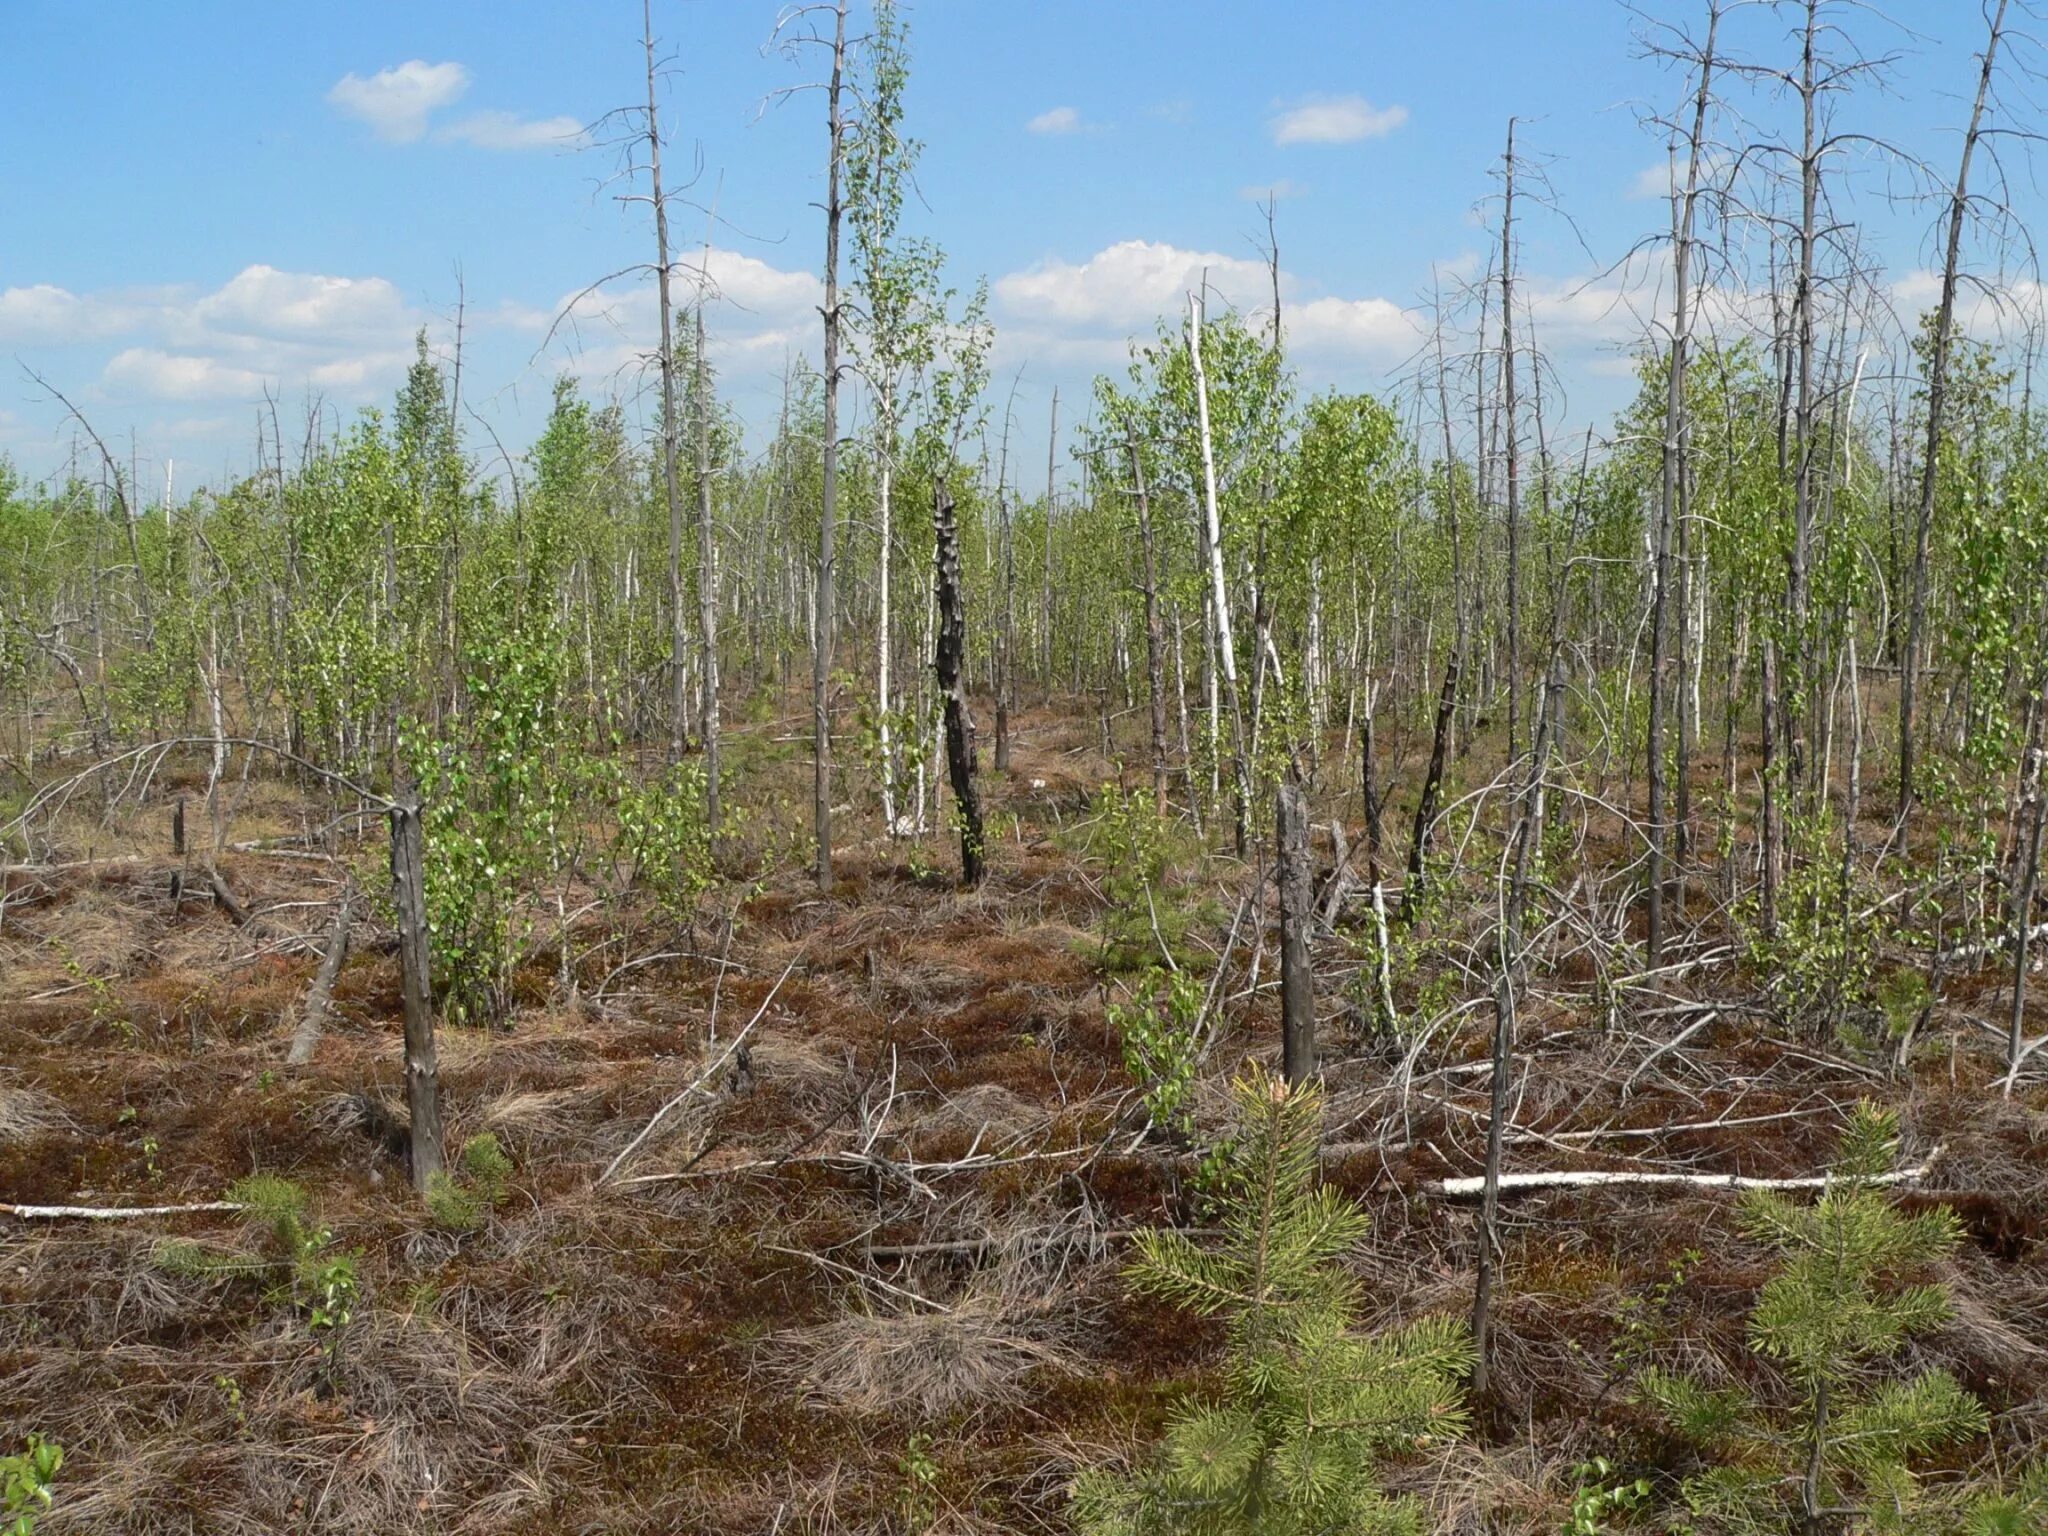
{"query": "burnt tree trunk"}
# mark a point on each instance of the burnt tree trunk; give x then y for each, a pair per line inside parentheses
(950, 664)
(1297, 912)
(1432, 786)
(422, 1068)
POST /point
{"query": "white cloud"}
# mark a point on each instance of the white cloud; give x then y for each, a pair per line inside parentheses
(263, 329)
(1056, 120)
(1279, 191)
(1376, 328)
(1128, 285)
(1335, 120)
(758, 315)
(43, 313)
(397, 102)
(508, 130)
(260, 303)
(1082, 313)
(160, 375)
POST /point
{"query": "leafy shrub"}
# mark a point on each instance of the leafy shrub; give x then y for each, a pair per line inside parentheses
(25, 1484)
(1159, 1030)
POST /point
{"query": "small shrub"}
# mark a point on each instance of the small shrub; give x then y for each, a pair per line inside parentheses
(1158, 1029)
(25, 1484)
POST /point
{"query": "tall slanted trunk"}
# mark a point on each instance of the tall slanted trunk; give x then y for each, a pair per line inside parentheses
(1219, 596)
(1509, 445)
(707, 580)
(1155, 660)
(1297, 915)
(1937, 396)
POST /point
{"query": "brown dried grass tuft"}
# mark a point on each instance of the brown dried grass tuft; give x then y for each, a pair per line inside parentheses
(29, 1113)
(977, 1352)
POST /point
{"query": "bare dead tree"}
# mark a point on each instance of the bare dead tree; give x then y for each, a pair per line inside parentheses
(1673, 456)
(1937, 398)
(950, 663)
(793, 28)
(1297, 921)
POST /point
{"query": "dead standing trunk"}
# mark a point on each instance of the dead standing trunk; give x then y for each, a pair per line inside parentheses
(422, 1068)
(1297, 914)
(826, 609)
(1155, 660)
(949, 661)
(1937, 394)
(1432, 786)
(678, 673)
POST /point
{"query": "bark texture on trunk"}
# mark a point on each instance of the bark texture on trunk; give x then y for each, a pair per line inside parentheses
(950, 662)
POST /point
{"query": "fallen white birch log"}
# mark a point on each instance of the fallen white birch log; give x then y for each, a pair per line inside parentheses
(1592, 1178)
(112, 1212)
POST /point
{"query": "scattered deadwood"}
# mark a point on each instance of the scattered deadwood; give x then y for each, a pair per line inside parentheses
(113, 1212)
(1467, 1187)
(320, 997)
(229, 902)
(661, 1114)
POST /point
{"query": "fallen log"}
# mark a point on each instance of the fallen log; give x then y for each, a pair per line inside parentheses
(112, 1212)
(320, 996)
(1471, 1185)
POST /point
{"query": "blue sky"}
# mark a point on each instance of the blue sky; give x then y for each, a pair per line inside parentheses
(205, 199)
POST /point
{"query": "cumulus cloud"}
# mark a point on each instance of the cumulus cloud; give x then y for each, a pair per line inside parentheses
(1055, 120)
(1373, 328)
(510, 131)
(396, 102)
(155, 374)
(758, 315)
(1082, 312)
(262, 329)
(261, 303)
(1335, 120)
(44, 314)
(1125, 285)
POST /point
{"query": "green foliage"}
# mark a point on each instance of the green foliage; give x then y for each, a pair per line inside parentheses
(301, 1263)
(1600, 1497)
(495, 804)
(462, 1200)
(2018, 1510)
(26, 1479)
(917, 1500)
(1129, 843)
(1310, 1406)
(1833, 1320)
(1821, 962)
(1158, 1029)
(661, 828)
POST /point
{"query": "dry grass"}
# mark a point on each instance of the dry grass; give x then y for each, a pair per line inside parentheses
(976, 1353)
(676, 1358)
(27, 1113)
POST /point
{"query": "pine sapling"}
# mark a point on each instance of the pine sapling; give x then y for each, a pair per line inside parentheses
(1310, 1406)
(1834, 1319)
